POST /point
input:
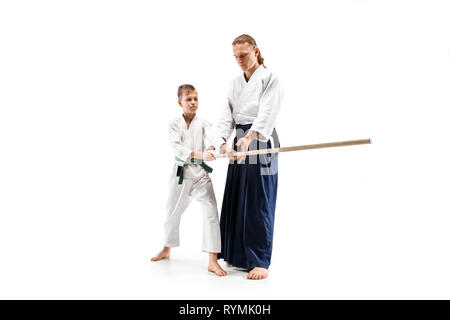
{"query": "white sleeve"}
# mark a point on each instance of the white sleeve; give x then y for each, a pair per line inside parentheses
(226, 123)
(269, 107)
(211, 135)
(180, 151)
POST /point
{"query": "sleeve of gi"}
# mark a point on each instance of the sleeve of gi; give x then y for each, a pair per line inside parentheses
(269, 107)
(226, 122)
(211, 135)
(180, 151)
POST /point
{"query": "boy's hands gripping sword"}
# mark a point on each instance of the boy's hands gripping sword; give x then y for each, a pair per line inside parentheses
(296, 148)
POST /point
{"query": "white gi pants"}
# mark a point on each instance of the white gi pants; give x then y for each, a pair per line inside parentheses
(180, 195)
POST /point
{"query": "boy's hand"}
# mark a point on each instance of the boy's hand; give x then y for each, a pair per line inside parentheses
(205, 156)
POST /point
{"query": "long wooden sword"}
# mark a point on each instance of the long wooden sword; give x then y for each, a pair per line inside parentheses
(297, 148)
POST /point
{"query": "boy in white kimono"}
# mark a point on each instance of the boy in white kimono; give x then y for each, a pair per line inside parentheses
(190, 179)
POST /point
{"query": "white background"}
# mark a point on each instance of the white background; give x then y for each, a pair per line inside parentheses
(87, 89)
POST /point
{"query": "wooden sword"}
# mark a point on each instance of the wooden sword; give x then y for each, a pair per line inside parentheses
(297, 148)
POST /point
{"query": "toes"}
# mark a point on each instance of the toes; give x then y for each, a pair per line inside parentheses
(256, 275)
(217, 271)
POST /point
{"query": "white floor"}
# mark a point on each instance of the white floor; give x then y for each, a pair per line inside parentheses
(335, 249)
(350, 224)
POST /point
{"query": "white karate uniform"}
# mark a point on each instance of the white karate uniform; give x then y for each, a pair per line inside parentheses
(196, 183)
(256, 101)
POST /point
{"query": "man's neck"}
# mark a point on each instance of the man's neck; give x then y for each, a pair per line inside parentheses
(248, 73)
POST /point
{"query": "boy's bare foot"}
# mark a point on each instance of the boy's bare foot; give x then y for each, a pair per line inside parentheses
(214, 265)
(258, 273)
(163, 254)
(215, 268)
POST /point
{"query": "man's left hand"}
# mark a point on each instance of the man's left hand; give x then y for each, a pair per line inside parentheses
(244, 143)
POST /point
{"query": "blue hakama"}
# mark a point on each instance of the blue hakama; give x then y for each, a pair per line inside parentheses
(248, 207)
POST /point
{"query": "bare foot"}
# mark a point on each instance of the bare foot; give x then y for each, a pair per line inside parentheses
(214, 265)
(163, 254)
(215, 268)
(258, 273)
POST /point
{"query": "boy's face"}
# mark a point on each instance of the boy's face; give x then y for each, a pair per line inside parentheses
(189, 102)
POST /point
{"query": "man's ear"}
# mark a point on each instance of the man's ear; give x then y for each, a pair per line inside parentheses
(257, 51)
(179, 103)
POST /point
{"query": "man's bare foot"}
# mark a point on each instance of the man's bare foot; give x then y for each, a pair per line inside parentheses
(163, 254)
(214, 265)
(258, 273)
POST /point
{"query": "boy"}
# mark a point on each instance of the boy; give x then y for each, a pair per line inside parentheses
(190, 179)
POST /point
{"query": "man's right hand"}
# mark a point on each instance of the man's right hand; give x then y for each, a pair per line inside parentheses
(208, 156)
(228, 151)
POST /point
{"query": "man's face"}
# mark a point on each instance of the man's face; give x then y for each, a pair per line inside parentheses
(246, 55)
(189, 102)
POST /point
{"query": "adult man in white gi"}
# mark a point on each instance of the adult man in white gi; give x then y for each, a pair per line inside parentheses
(248, 207)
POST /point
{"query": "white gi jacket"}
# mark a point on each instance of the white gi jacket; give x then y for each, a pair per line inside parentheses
(256, 101)
(184, 141)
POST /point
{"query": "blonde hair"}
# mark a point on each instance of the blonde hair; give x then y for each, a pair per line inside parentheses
(245, 38)
(183, 88)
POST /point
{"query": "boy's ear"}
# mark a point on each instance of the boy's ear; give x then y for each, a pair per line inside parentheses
(179, 103)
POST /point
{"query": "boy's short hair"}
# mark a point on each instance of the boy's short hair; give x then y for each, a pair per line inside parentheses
(183, 88)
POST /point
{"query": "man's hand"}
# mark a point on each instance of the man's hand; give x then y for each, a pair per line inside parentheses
(208, 156)
(244, 143)
(228, 151)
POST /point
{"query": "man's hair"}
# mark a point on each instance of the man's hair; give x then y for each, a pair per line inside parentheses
(245, 38)
(183, 88)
